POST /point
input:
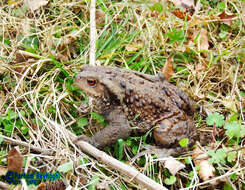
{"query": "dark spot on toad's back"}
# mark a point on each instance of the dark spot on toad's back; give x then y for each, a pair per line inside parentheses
(122, 84)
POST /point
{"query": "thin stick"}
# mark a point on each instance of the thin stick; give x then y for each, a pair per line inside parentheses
(4, 186)
(17, 142)
(93, 33)
(214, 179)
(127, 170)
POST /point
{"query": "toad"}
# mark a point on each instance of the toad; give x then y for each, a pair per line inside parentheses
(129, 99)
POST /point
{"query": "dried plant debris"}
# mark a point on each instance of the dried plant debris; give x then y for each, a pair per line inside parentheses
(202, 39)
(35, 4)
(227, 18)
(168, 69)
(173, 165)
(15, 160)
(207, 170)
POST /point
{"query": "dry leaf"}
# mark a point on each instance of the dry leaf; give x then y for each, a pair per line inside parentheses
(103, 185)
(173, 165)
(68, 40)
(243, 102)
(15, 160)
(226, 18)
(133, 46)
(202, 39)
(35, 4)
(22, 56)
(187, 5)
(207, 171)
(3, 170)
(182, 15)
(198, 20)
(41, 187)
(201, 66)
(23, 60)
(2, 99)
(243, 153)
(60, 56)
(100, 16)
(168, 69)
(50, 185)
(66, 48)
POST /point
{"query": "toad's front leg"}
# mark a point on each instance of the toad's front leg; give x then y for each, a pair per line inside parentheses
(118, 128)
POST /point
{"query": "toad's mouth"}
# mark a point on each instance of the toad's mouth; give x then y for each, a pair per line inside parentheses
(91, 94)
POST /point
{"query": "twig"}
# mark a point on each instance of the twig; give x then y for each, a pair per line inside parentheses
(129, 171)
(4, 186)
(17, 142)
(214, 179)
(93, 33)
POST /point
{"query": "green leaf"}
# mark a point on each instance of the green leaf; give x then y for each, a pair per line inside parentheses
(234, 129)
(94, 181)
(52, 109)
(23, 113)
(217, 157)
(184, 142)
(97, 117)
(216, 119)
(119, 148)
(8, 127)
(231, 156)
(227, 187)
(123, 187)
(65, 167)
(222, 35)
(82, 122)
(157, 7)
(221, 155)
(233, 176)
(221, 6)
(188, 160)
(176, 36)
(190, 175)
(83, 161)
(12, 115)
(24, 129)
(171, 180)
(135, 149)
(242, 93)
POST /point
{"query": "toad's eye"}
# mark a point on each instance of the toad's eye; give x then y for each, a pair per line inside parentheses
(91, 82)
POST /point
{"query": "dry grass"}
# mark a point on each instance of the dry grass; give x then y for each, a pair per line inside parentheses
(36, 82)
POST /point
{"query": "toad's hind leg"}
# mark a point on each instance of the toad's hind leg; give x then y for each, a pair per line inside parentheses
(118, 128)
(170, 131)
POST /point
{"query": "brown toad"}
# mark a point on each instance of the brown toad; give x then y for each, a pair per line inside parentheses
(132, 99)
